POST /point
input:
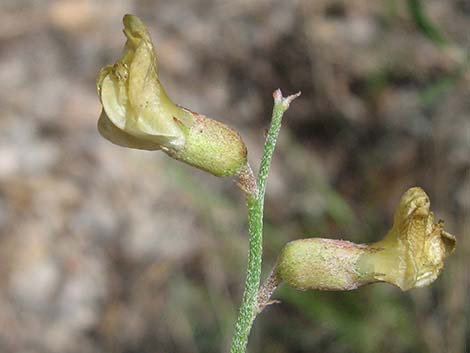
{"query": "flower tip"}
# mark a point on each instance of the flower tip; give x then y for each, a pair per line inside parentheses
(131, 21)
(414, 203)
(134, 27)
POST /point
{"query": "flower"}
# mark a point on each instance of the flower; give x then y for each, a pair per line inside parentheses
(137, 113)
(411, 255)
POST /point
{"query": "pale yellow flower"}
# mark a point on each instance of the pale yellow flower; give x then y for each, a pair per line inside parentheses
(410, 255)
(133, 99)
(137, 112)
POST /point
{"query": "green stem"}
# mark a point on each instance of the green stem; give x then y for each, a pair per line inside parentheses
(255, 203)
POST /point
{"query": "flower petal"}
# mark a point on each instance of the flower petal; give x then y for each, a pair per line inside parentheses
(117, 136)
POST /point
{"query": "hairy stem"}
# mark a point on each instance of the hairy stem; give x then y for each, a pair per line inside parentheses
(255, 203)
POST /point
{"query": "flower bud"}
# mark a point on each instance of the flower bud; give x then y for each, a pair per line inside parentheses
(410, 255)
(137, 113)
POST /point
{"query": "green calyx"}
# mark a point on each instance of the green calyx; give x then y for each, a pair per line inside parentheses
(321, 264)
(213, 147)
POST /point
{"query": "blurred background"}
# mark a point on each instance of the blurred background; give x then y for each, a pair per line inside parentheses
(104, 249)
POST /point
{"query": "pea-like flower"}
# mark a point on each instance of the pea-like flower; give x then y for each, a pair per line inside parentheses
(137, 112)
(410, 255)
